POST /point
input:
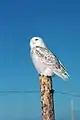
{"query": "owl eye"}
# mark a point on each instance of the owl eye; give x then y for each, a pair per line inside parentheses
(36, 39)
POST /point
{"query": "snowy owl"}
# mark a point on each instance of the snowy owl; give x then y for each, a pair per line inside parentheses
(45, 61)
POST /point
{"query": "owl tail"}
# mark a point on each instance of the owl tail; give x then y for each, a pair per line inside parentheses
(61, 72)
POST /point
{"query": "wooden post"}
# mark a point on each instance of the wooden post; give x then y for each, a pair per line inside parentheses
(47, 98)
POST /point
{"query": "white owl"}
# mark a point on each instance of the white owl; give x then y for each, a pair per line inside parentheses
(45, 61)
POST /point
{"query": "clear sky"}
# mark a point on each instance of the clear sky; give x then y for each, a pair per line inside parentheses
(58, 23)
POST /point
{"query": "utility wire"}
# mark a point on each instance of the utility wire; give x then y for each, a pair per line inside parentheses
(18, 91)
(37, 91)
(69, 94)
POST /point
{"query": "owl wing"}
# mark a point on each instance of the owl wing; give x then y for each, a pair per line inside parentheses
(48, 58)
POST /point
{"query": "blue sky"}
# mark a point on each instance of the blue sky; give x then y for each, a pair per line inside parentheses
(58, 23)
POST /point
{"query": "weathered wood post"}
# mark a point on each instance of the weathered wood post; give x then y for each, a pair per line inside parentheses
(47, 98)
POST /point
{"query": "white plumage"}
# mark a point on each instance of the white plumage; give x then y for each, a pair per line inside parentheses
(45, 61)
